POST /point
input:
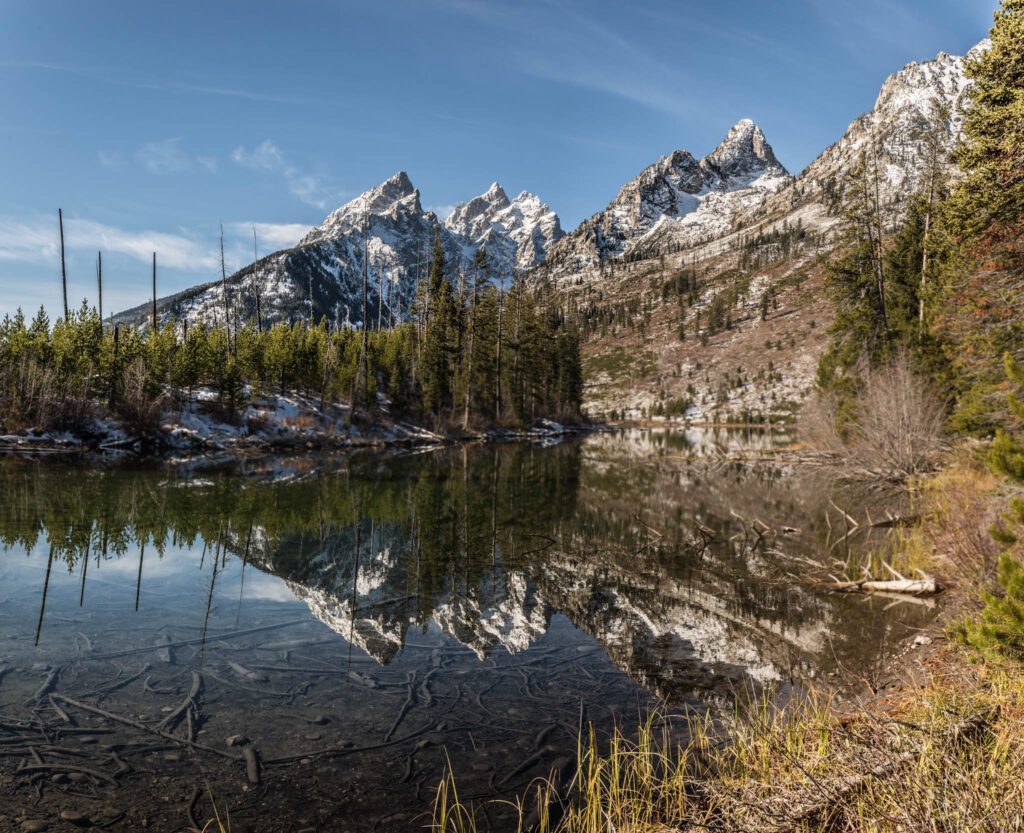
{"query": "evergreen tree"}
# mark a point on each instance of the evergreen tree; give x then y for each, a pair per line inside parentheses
(982, 313)
(435, 368)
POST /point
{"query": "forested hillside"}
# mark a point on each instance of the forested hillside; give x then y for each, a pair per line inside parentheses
(473, 356)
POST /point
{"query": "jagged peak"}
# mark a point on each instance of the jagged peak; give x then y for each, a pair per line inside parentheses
(743, 150)
(399, 180)
(495, 192)
(395, 193)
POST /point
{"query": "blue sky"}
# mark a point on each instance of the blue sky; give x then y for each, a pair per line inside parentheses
(152, 123)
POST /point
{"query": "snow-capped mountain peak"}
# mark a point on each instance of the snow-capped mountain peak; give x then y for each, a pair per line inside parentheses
(743, 157)
(393, 196)
(516, 233)
(386, 235)
(680, 195)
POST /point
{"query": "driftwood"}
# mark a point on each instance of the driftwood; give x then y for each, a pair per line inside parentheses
(923, 586)
(908, 586)
(39, 766)
(142, 727)
(185, 704)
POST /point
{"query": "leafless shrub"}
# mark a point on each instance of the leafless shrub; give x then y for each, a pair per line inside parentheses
(895, 432)
(817, 425)
(137, 404)
(898, 428)
(37, 397)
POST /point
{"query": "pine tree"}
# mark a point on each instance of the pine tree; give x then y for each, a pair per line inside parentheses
(435, 365)
(856, 282)
(982, 313)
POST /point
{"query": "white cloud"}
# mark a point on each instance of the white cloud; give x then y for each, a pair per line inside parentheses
(167, 156)
(271, 236)
(37, 241)
(164, 157)
(268, 157)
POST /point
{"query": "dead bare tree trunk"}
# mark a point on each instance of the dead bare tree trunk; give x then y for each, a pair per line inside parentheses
(380, 294)
(497, 358)
(154, 293)
(515, 338)
(364, 358)
(255, 283)
(224, 290)
(63, 267)
(99, 285)
(879, 247)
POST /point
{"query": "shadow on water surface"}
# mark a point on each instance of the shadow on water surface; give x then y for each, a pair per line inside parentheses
(353, 623)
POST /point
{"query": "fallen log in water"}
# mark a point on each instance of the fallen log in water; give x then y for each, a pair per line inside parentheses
(926, 586)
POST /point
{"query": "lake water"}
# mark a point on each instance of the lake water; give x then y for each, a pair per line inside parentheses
(354, 623)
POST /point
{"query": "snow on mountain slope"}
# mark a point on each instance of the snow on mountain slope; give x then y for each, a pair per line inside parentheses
(642, 348)
(698, 198)
(387, 228)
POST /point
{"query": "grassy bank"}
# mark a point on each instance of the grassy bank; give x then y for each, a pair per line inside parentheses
(939, 749)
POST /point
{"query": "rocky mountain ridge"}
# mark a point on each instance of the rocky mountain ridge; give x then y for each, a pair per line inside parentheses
(698, 198)
(384, 233)
(516, 233)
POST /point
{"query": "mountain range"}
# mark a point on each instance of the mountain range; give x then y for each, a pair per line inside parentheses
(735, 208)
(384, 232)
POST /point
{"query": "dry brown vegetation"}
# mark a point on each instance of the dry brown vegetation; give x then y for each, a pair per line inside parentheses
(896, 432)
(34, 396)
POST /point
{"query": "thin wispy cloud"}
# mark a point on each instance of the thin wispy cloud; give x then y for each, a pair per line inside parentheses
(267, 157)
(109, 159)
(271, 236)
(442, 211)
(164, 157)
(227, 92)
(185, 87)
(36, 241)
(553, 41)
(886, 22)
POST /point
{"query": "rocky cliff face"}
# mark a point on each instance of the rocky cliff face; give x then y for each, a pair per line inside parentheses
(916, 116)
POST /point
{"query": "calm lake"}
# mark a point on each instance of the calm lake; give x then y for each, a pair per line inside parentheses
(351, 624)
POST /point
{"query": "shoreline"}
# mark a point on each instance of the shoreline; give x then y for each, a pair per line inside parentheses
(268, 426)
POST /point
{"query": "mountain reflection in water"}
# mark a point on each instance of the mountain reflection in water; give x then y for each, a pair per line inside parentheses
(362, 620)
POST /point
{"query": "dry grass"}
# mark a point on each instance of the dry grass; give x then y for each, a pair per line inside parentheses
(955, 509)
(947, 758)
